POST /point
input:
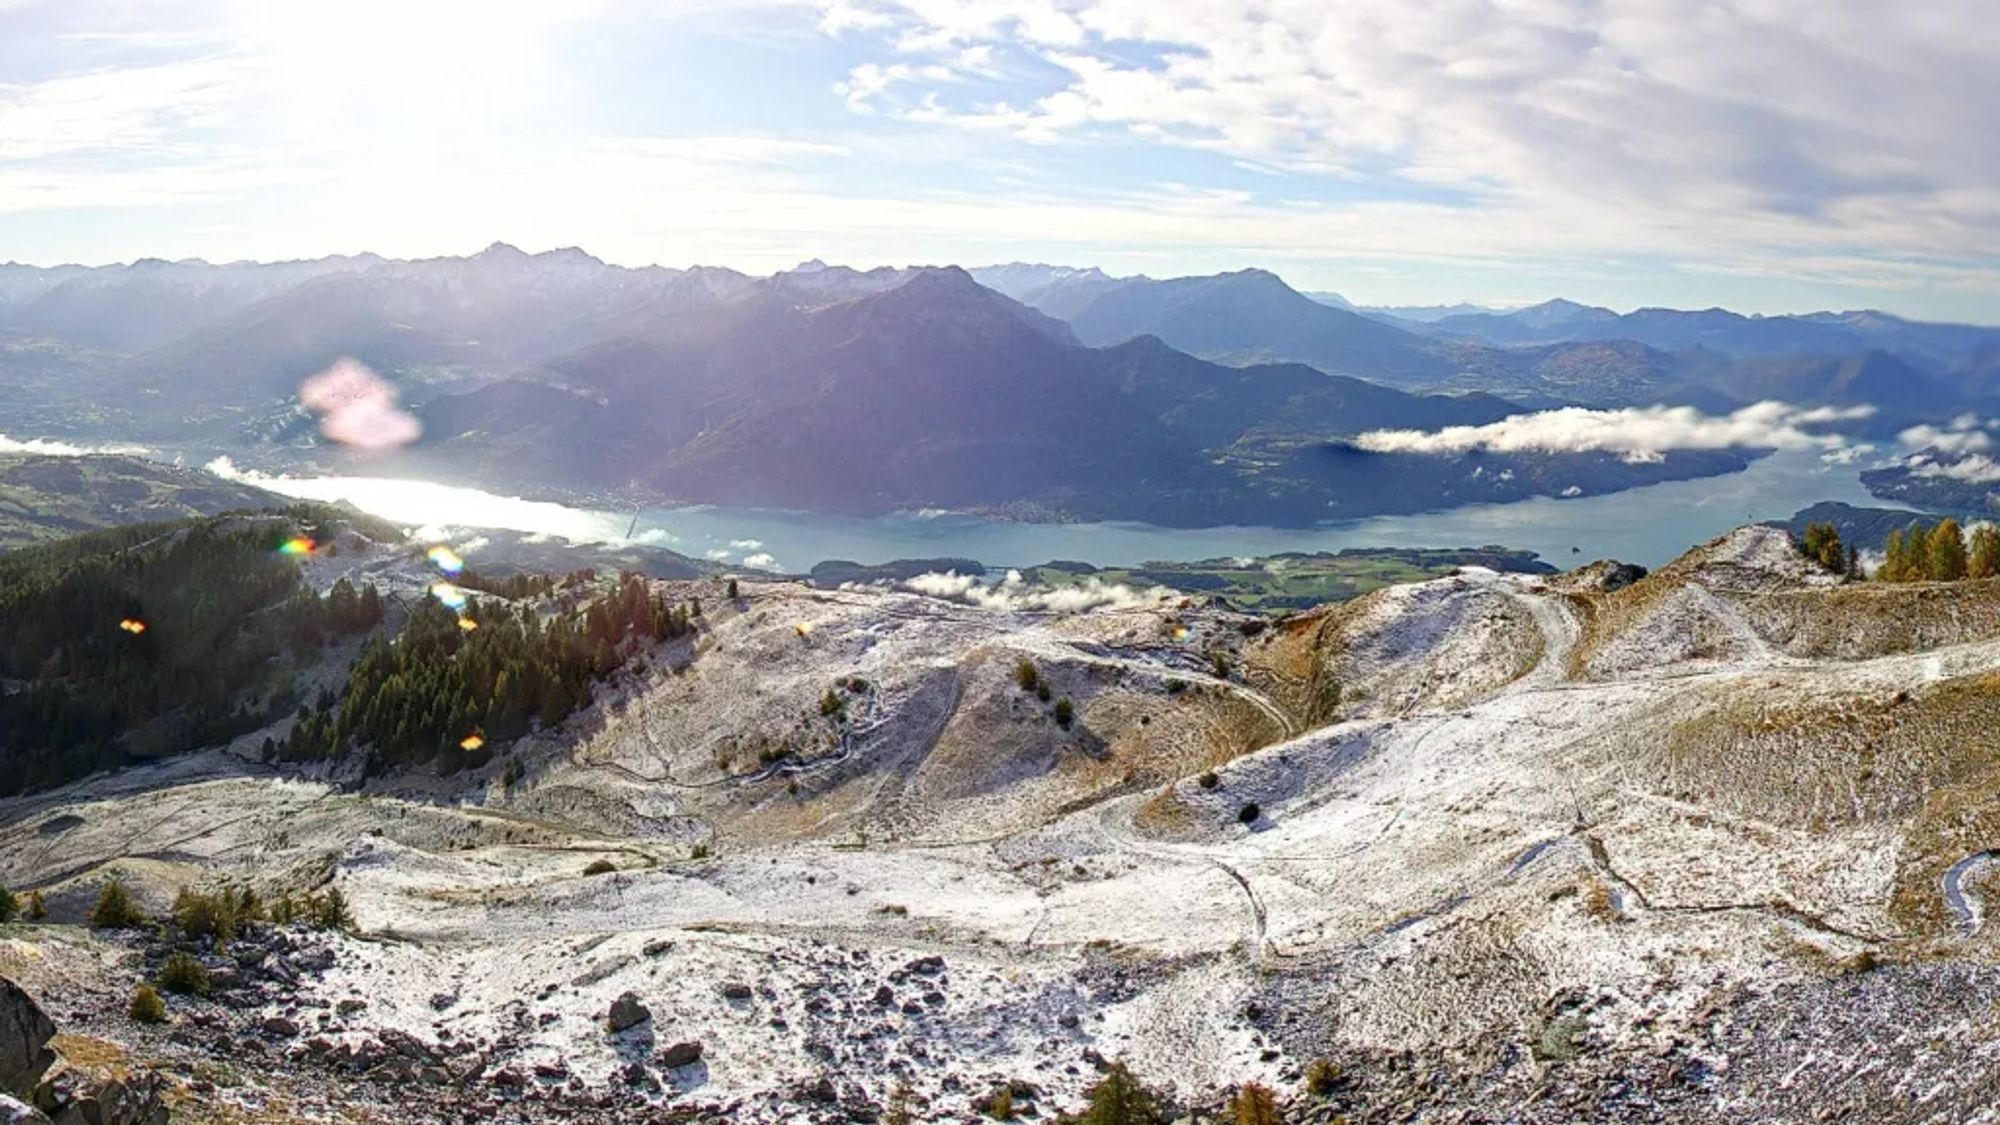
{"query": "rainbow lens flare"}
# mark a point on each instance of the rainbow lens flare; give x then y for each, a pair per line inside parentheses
(297, 545)
(445, 559)
(133, 626)
(472, 741)
(451, 596)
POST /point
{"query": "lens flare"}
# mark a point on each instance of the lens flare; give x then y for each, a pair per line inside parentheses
(451, 596)
(802, 629)
(446, 559)
(357, 407)
(1180, 632)
(467, 624)
(297, 545)
(472, 741)
(133, 626)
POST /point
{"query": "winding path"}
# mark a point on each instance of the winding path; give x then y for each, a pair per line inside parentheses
(1969, 911)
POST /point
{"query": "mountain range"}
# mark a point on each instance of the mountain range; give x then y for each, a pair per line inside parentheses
(1039, 391)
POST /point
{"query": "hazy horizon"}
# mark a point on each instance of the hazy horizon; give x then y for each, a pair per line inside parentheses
(1434, 301)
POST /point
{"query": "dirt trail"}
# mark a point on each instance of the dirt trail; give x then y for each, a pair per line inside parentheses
(1970, 910)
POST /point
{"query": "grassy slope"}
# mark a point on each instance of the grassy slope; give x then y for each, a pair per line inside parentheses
(44, 498)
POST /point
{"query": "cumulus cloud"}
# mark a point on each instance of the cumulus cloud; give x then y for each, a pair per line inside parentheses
(225, 467)
(1012, 594)
(760, 562)
(358, 407)
(47, 448)
(747, 544)
(1963, 434)
(1976, 468)
(1635, 434)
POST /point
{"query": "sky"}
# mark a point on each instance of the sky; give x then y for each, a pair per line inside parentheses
(1764, 155)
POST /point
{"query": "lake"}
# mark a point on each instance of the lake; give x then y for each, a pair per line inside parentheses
(1645, 525)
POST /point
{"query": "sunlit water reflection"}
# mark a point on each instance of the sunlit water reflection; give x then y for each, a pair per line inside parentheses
(1646, 525)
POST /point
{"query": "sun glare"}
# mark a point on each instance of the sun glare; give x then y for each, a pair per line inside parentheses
(411, 65)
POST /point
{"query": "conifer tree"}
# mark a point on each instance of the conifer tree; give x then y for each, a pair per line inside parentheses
(1895, 558)
(1119, 1099)
(1254, 1104)
(1984, 558)
(1945, 552)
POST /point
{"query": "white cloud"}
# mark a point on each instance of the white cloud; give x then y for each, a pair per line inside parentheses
(1847, 454)
(1634, 433)
(125, 110)
(760, 562)
(1756, 123)
(747, 544)
(1768, 143)
(1976, 468)
(1012, 595)
(1965, 434)
(48, 448)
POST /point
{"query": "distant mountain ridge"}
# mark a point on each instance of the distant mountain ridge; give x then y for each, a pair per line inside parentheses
(1940, 348)
(1034, 390)
(1557, 351)
(939, 392)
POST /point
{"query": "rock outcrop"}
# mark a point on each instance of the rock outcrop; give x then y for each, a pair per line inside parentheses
(39, 1087)
(25, 1032)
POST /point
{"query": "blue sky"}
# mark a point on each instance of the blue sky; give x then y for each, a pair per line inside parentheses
(1765, 155)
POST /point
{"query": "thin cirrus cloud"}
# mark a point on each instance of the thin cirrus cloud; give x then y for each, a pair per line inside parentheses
(1759, 153)
(1634, 434)
(1792, 126)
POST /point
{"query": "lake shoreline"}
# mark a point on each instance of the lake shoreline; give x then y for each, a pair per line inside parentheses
(1647, 525)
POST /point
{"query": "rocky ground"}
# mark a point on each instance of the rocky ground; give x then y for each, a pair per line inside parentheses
(1483, 848)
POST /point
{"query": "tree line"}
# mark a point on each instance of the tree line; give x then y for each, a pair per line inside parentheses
(1941, 552)
(153, 638)
(452, 687)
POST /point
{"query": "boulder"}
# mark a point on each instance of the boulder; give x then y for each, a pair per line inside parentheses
(25, 1031)
(681, 1054)
(76, 1097)
(627, 1012)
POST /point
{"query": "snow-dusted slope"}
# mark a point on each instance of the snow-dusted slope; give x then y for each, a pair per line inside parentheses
(1565, 852)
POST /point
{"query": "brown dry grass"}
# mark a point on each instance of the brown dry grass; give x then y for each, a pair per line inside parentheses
(1929, 761)
(1871, 619)
(1166, 817)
